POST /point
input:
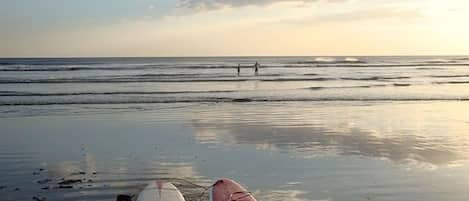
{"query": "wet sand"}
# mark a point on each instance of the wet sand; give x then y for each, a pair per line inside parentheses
(387, 150)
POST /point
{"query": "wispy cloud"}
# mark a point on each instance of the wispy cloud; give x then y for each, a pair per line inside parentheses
(378, 13)
(382, 13)
(201, 5)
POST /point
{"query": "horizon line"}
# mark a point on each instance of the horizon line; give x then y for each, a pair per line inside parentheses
(226, 56)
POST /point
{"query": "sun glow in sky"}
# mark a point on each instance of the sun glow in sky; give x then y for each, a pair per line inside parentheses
(57, 28)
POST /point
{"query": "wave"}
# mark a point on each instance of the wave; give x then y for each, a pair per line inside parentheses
(429, 68)
(297, 79)
(348, 87)
(448, 76)
(34, 68)
(198, 75)
(324, 59)
(217, 78)
(19, 93)
(401, 84)
(376, 78)
(352, 59)
(168, 75)
(112, 66)
(452, 82)
(439, 61)
(329, 60)
(54, 61)
(361, 86)
(216, 100)
(303, 64)
(140, 80)
(389, 65)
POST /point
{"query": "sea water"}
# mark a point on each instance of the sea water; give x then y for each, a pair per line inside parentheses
(303, 128)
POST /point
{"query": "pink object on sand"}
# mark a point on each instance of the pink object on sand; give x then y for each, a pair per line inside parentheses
(229, 190)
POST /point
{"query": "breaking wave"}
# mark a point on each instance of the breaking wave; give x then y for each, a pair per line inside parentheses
(330, 60)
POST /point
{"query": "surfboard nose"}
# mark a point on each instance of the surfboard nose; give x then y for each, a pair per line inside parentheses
(159, 184)
(222, 181)
(228, 190)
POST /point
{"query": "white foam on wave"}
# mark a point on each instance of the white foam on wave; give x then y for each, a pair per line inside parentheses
(437, 61)
(351, 59)
(324, 59)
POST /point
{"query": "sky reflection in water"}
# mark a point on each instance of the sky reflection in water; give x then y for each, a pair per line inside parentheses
(281, 151)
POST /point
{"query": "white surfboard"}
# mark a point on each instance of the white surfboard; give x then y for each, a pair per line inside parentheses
(160, 191)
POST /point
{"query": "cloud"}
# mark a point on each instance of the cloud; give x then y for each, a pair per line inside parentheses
(201, 5)
(382, 13)
(373, 14)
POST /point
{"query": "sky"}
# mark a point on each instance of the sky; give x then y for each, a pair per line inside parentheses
(103, 28)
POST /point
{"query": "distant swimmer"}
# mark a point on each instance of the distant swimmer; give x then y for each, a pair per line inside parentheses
(239, 69)
(256, 67)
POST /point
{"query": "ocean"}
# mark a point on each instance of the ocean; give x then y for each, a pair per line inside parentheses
(388, 128)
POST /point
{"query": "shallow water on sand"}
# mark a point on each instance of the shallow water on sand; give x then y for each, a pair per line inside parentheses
(281, 151)
(304, 128)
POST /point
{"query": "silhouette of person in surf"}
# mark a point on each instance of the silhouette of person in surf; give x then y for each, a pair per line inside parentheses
(256, 68)
(239, 69)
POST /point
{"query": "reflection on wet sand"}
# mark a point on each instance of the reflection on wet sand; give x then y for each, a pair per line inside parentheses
(316, 141)
(275, 139)
(320, 138)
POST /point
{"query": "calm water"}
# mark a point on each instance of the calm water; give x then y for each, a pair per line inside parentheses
(304, 128)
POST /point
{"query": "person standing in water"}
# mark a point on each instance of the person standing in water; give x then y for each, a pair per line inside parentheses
(256, 68)
(239, 69)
